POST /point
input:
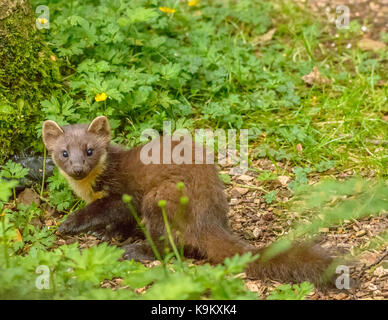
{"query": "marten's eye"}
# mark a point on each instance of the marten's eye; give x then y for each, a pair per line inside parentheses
(65, 154)
(89, 152)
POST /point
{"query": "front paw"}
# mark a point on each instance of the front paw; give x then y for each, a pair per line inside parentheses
(139, 251)
(70, 226)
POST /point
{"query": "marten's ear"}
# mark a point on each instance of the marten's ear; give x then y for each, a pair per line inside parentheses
(100, 127)
(51, 131)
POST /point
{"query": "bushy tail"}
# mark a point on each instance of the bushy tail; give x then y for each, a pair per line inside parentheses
(299, 263)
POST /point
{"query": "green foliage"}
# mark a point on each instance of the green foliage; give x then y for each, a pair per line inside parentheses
(330, 203)
(266, 175)
(27, 76)
(225, 178)
(154, 67)
(60, 194)
(6, 188)
(71, 273)
(203, 66)
(291, 292)
(14, 172)
(324, 165)
(300, 177)
(270, 196)
(334, 202)
(185, 281)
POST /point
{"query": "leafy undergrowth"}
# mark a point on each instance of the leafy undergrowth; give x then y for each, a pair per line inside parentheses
(34, 266)
(216, 64)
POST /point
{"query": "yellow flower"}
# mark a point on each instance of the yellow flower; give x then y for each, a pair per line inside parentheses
(42, 20)
(100, 97)
(192, 3)
(167, 10)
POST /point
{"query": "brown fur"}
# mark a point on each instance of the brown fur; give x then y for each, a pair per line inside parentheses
(203, 230)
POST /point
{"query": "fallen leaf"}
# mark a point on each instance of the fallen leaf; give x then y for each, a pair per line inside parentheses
(380, 271)
(369, 257)
(256, 232)
(252, 286)
(49, 223)
(367, 44)
(238, 192)
(299, 148)
(315, 77)
(372, 287)
(265, 37)
(340, 296)
(245, 177)
(361, 233)
(19, 236)
(28, 197)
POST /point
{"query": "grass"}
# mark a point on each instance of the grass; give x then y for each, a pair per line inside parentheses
(341, 122)
(209, 66)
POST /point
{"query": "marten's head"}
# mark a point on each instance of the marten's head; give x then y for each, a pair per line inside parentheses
(77, 149)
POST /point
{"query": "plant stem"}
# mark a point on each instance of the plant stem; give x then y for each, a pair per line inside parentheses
(44, 171)
(4, 241)
(147, 235)
(169, 234)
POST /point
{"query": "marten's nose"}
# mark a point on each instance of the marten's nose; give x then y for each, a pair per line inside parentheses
(77, 170)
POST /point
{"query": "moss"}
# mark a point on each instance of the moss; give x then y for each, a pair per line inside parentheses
(27, 76)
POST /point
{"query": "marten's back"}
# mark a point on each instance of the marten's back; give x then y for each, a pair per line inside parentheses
(132, 172)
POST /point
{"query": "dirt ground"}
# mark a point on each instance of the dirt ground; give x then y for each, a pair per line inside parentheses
(373, 15)
(261, 223)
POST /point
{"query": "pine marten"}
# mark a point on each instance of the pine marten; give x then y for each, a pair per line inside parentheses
(101, 173)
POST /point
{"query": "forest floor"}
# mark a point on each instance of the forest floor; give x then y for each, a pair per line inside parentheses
(263, 223)
(342, 116)
(260, 223)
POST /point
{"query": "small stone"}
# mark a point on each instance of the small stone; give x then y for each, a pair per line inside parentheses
(284, 180)
(234, 201)
(256, 232)
(324, 230)
(252, 286)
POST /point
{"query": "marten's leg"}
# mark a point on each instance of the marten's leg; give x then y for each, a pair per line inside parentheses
(154, 223)
(109, 217)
